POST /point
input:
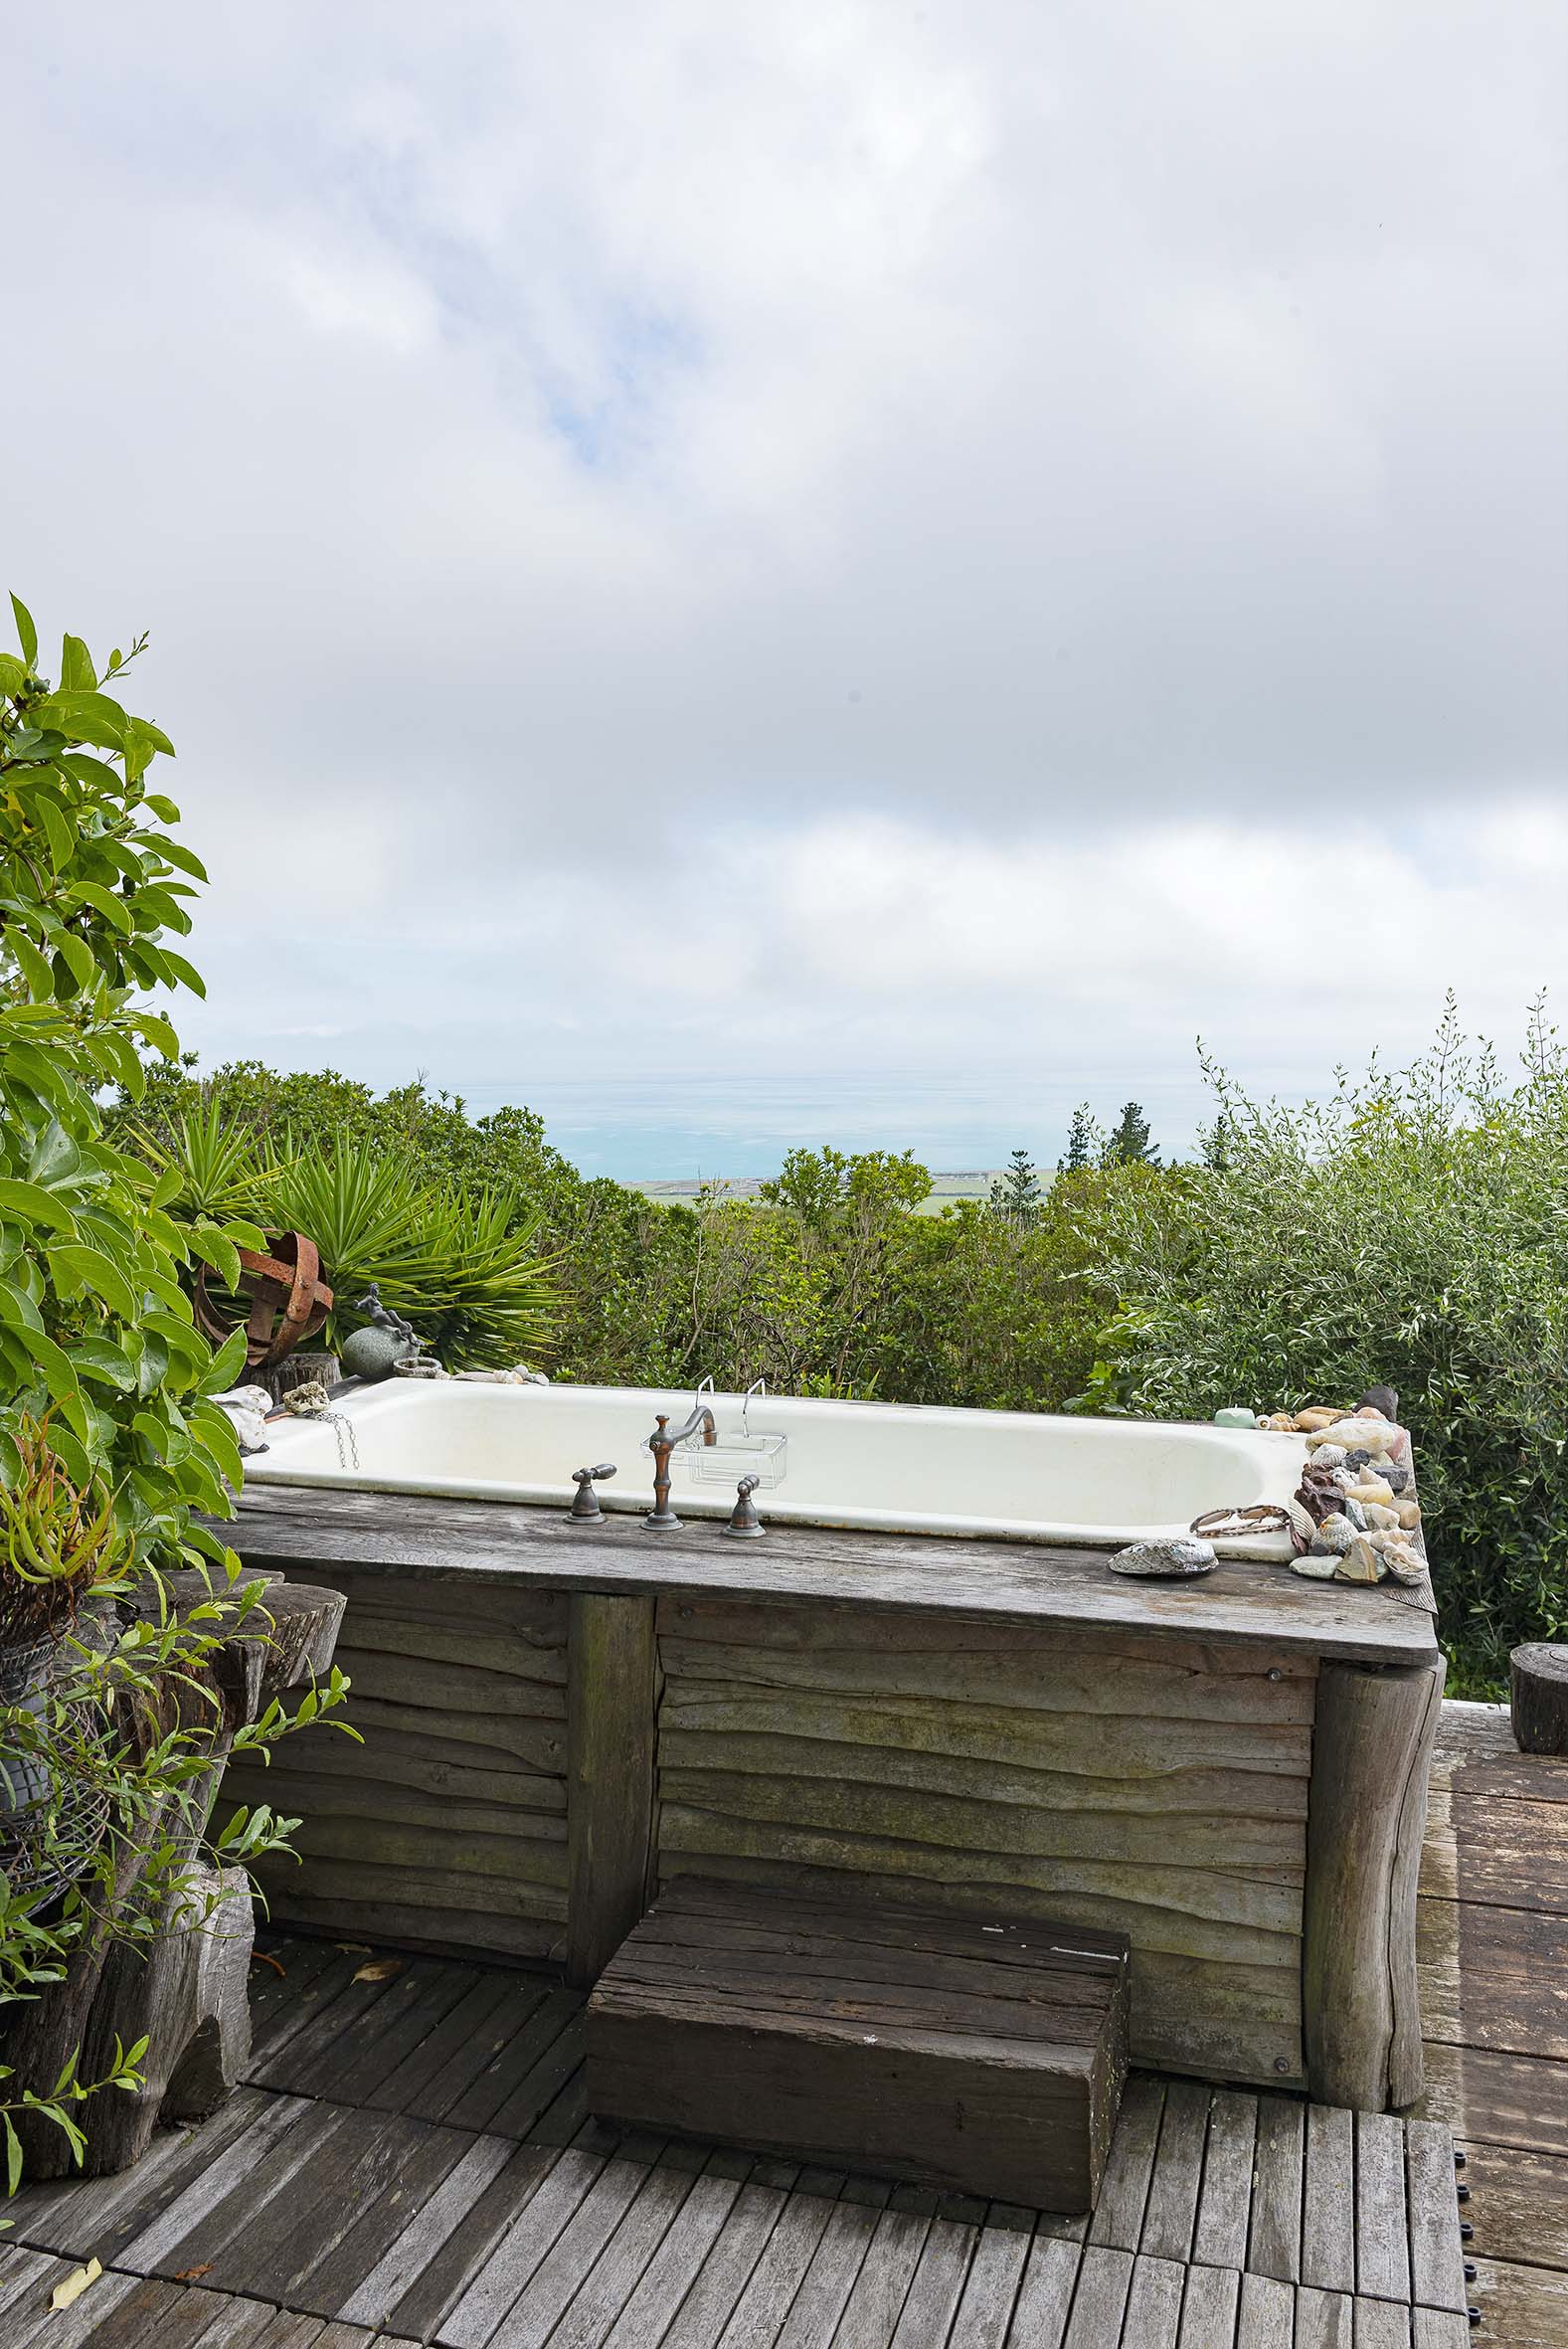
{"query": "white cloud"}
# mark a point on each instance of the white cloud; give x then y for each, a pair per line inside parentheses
(888, 531)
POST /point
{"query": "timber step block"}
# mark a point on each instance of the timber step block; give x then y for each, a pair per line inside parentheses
(957, 2051)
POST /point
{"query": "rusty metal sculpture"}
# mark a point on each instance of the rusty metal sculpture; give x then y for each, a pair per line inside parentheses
(288, 1300)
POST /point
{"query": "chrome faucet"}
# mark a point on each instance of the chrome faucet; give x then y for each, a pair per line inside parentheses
(661, 1443)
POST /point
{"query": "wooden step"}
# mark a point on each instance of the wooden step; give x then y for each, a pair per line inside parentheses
(962, 2053)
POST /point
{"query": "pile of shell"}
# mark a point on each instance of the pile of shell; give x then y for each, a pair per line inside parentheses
(1355, 1517)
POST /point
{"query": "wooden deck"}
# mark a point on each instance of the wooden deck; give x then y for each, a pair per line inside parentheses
(411, 2162)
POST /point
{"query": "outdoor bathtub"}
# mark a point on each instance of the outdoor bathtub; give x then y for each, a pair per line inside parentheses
(871, 1467)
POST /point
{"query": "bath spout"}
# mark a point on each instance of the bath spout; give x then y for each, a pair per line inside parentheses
(661, 1443)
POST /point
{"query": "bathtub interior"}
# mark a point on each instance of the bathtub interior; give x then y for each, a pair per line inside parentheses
(1023, 1476)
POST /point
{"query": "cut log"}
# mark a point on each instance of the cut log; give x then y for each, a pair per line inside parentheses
(1371, 1751)
(1538, 1699)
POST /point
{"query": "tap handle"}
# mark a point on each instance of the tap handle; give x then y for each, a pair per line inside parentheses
(585, 1509)
(744, 1519)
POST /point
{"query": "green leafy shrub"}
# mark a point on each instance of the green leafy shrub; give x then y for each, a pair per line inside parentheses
(1413, 1230)
(111, 1449)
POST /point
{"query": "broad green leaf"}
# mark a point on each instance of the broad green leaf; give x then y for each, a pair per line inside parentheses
(76, 955)
(175, 852)
(18, 1308)
(227, 1364)
(13, 673)
(77, 672)
(33, 1204)
(84, 717)
(26, 633)
(215, 1249)
(105, 901)
(10, 1460)
(54, 1363)
(32, 965)
(184, 971)
(154, 735)
(158, 1032)
(54, 1159)
(165, 811)
(62, 845)
(74, 1267)
(99, 1358)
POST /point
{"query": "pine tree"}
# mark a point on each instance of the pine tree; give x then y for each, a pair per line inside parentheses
(1080, 1137)
(1128, 1144)
(1015, 1193)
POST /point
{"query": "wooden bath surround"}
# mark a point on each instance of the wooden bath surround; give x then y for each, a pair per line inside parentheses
(557, 1720)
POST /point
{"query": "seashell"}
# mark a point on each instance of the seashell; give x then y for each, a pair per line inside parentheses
(1313, 1417)
(1368, 1489)
(1409, 1515)
(1303, 1524)
(1403, 1562)
(1229, 1524)
(307, 1399)
(1178, 1554)
(1318, 1569)
(1360, 1563)
(1329, 1456)
(1371, 1435)
(1333, 1536)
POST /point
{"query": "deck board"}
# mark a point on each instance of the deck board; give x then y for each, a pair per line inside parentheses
(455, 2196)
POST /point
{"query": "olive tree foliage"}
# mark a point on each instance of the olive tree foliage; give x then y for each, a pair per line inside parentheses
(112, 1447)
(1411, 1230)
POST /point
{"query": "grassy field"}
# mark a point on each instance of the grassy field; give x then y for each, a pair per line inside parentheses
(945, 1189)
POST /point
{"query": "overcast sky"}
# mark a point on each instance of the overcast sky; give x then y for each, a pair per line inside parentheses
(748, 574)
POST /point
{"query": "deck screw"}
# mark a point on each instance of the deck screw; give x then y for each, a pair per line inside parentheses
(1461, 2194)
(1460, 2159)
(1467, 2233)
(1282, 2062)
(1275, 1673)
(1474, 2314)
(1471, 2272)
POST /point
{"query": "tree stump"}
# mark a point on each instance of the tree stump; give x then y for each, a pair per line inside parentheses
(1538, 1699)
(186, 1989)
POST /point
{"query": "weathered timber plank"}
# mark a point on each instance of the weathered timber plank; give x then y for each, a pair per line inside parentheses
(504, 2272)
(991, 1733)
(435, 1932)
(1361, 2005)
(434, 2069)
(1329, 2199)
(1266, 2312)
(1377, 2324)
(1493, 1977)
(1382, 2242)
(1040, 1680)
(610, 1802)
(1268, 1900)
(1178, 2173)
(411, 2235)
(766, 2297)
(538, 2307)
(963, 1823)
(663, 2284)
(362, 2236)
(372, 1884)
(1528, 2307)
(1045, 2293)
(1275, 2243)
(376, 1804)
(456, 2241)
(1225, 2198)
(609, 2281)
(818, 2305)
(1105, 2277)
(403, 1537)
(876, 2300)
(1154, 2304)
(776, 1753)
(515, 2048)
(1124, 2192)
(1437, 2268)
(431, 1767)
(1208, 2309)
(733, 1621)
(301, 2226)
(1495, 1848)
(424, 1686)
(458, 1855)
(216, 2202)
(1435, 2328)
(1507, 2099)
(1520, 2204)
(1323, 2319)
(926, 2321)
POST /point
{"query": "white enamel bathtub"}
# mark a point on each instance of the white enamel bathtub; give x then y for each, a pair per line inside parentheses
(882, 1467)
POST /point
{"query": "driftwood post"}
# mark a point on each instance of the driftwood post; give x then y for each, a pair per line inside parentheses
(610, 1704)
(186, 1987)
(1372, 1743)
(1538, 1699)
